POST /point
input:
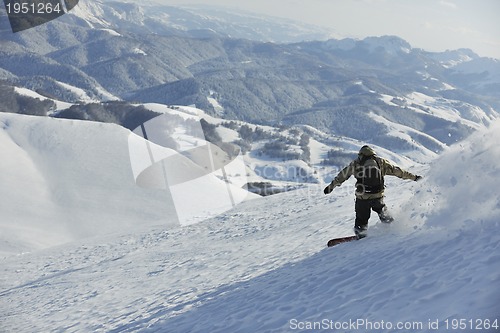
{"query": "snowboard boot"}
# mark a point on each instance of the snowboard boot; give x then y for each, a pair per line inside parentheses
(361, 231)
(384, 218)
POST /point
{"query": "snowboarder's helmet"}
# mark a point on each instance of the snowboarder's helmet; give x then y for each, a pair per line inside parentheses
(366, 151)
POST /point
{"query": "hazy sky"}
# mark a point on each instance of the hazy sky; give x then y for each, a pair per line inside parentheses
(434, 25)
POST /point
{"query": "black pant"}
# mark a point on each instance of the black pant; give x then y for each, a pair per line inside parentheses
(363, 210)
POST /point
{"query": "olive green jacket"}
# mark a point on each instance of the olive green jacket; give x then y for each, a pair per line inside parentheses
(386, 169)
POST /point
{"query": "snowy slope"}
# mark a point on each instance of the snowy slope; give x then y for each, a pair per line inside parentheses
(263, 266)
(30, 93)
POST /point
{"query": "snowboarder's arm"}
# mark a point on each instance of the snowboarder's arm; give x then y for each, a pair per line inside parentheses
(393, 170)
(342, 176)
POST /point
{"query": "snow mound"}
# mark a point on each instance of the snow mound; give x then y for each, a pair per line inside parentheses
(66, 180)
(460, 190)
(63, 181)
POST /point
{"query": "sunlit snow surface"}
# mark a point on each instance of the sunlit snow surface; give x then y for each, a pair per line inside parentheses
(260, 267)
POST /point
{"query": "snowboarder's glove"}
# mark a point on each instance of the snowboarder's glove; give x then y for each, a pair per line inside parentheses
(417, 178)
(329, 188)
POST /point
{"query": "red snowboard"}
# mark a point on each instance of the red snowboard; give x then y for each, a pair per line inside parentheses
(335, 241)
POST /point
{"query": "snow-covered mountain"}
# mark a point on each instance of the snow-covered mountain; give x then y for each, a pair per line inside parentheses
(193, 20)
(260, 267)
(364, 89)
(468, 70)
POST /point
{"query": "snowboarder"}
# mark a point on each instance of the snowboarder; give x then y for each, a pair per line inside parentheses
(369, 170)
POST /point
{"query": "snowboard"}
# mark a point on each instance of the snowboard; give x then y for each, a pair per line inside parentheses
(336, 241)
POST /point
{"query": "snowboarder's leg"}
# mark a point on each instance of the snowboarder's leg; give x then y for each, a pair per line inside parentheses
(363, 208)
(381, 209)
